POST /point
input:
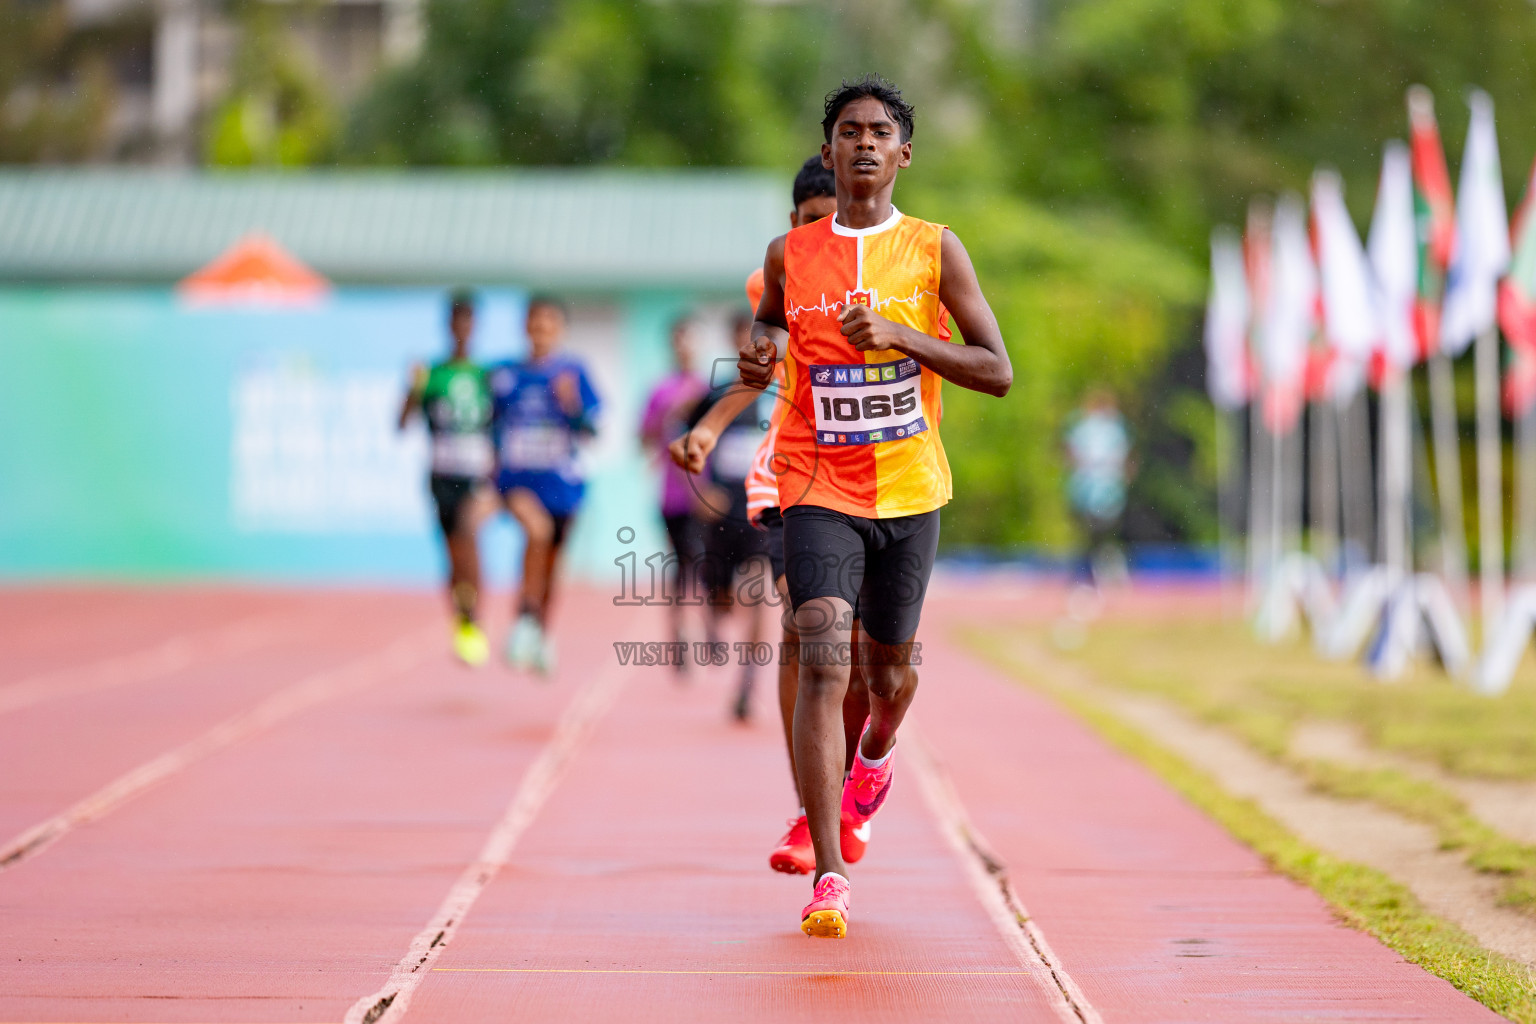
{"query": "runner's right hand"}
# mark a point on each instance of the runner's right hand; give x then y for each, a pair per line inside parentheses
(756, 361)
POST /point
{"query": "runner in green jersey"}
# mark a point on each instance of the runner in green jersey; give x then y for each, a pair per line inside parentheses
(456, 401)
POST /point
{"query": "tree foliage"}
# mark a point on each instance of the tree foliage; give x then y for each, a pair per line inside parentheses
(276, 112)
(56, 87)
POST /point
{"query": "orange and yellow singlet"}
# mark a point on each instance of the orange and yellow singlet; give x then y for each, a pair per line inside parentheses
(861, 431)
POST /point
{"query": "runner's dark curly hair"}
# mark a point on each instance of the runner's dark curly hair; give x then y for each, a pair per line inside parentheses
(813, 180)
(875, 87)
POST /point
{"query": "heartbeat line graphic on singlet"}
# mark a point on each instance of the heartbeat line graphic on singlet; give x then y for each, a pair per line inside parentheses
(834, 306)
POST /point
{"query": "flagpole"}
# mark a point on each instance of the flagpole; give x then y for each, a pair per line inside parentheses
(1227, 475)
(1278, 526)
(1525, 495)
(1258, 502)
(1453, 530)
(1323, 469)
(1218, 423)
(1490, 483)
(1295, 479)
(1357, 478)
(1393, 439)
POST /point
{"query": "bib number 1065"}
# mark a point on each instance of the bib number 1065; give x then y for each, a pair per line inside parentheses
(868, 407)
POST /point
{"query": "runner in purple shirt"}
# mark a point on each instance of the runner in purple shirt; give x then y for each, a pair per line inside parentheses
(666, 417)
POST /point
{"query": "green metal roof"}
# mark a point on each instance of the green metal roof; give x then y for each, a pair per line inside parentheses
(598, 230)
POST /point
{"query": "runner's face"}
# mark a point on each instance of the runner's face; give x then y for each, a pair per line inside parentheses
(813, 210)
(462, 325)
(545, 326)
(866, 149)
(682, 349)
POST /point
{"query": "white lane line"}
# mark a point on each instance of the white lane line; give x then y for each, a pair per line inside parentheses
(314, 689)
(988, 876)
(173, 655)
(389, 1004)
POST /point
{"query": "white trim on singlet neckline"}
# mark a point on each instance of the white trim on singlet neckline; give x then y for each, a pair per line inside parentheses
(889, 222)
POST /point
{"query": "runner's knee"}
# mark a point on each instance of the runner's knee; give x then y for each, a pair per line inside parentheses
(538, 525)
(821, 679)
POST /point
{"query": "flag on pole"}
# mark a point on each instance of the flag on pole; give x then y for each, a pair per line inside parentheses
(1434, 217)
(1395, 260)
(1291, 316)
(1257, 245)
(1517, 306)
(1481, 252)
(1226, 323)
(1350, 325)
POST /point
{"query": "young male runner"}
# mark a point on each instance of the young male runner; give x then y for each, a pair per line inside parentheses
(814, 197)
(665, 418)
(543, 405)
(859, 304)
(456, 402)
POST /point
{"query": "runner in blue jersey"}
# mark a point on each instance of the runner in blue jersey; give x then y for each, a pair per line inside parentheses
(543, 406)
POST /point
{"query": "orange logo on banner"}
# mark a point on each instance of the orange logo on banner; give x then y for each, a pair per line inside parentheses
(254, 270)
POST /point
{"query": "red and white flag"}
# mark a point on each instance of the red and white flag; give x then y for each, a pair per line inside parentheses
(1350, 325)
(1290, 317)
(1517, 306)
(1226, 323)
(1434, 216)
(1481, 253)
(1394, 260)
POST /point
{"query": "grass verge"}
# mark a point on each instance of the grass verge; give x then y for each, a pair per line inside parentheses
(1486, 850)
(1217, 673)
(1362, 897)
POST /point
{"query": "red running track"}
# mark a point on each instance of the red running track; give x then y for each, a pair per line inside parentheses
(334, 796)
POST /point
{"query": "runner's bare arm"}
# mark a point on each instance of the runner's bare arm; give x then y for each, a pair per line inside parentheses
(413, 394)
(770, 329)
(980, 364)
(690, 450)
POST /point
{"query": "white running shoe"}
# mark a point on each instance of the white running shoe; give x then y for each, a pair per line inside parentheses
(544, 656)
(523, 642)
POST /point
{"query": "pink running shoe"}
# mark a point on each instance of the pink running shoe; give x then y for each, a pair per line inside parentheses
(866, 789)
(827, 915)
(794, 855)
(853, 839)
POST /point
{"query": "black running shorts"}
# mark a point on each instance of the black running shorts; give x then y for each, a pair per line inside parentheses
(772, 522)
(879, 566)
(451, 494)
(728, 544)
(683, 533)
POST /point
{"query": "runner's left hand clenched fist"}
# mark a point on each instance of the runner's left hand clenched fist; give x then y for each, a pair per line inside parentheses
(867, 330)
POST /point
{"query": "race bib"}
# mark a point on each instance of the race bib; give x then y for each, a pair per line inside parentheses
(461, 454)
(866, 403)
(535, 446)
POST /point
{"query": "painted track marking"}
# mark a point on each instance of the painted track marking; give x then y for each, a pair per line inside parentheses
(308, 692)
(801, 974)
(577, 722)
(988, 876)
(173, 655)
